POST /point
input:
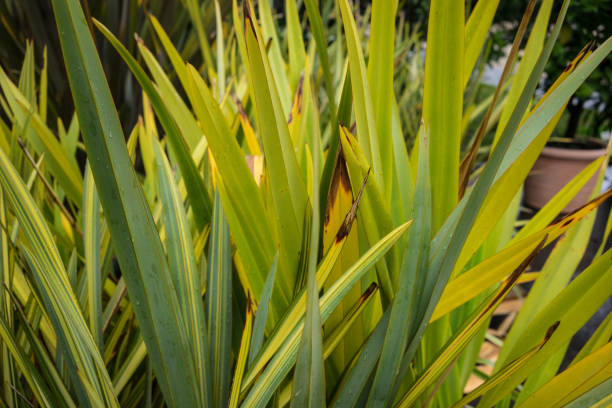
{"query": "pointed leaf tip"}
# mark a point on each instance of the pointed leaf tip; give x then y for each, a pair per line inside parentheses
(551, 330)
(345, 228)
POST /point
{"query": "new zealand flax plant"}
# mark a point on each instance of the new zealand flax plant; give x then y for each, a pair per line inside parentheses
(280, 245)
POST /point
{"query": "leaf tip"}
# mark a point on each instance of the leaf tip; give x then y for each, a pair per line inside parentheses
(345, 228)
(549, 332)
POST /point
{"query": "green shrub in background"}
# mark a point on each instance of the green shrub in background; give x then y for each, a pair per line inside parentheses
(282, 245)
(586, 20)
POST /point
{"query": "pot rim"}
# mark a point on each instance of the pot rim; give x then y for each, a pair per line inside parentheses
(572, 154)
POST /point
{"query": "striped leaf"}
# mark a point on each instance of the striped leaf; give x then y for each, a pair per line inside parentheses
(183, 270)
(59, 299)
(219, 303)
(92, 236)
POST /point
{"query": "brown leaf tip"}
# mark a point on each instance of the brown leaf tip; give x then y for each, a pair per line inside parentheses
(249, 304)
(340, 177)
(240, 107)
(551, 330)
(369, 292)
(297, 100)
(345, 228)
(594, 203)
(300, 92)
(248, 15)
(268, 44)
(581, 56)
(343, 132)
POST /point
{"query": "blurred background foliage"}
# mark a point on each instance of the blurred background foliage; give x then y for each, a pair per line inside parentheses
(32, 20)
(587, 116)
(589, 112)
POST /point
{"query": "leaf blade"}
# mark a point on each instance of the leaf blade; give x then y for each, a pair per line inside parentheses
(132, 228)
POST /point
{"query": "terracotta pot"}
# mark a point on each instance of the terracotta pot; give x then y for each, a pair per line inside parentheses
(553, 170)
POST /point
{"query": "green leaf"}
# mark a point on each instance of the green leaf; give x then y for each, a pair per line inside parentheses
(42, 92)
(443, 102)
(488, 272)
(476, 31)
(345, 110)
(362, 99)
(339, 202)
(175, 58)
(309, 379)
(403, 171)
(597, 397)
(219, 303)
(354, 381)
(472, 325)
(449, 249)
(380, 78)
(333, 339)
(8, 368)
(62, 166)
(577, 380)
(556, 99)
(298, 307)
(528, 62)
(193, 6)
(261, 314)
(220, 51)
(376, 218)
(297, 53)
(31, 374)
(573, 307)
(554, 276)
(46, 365)
(91, 243)
(27, 78)
(53, 284)
(273, 51)
(513, 173)
(133, 231)
(284, 359)
(289, 194)
(598, 339)
(241, 361)
(242, 201)
(193, 181)
(173, 102)
(556, 204)
(467, 163)
(130, 365)
(413, 276)
(318, 32)
(503, 374)
(184, 271)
